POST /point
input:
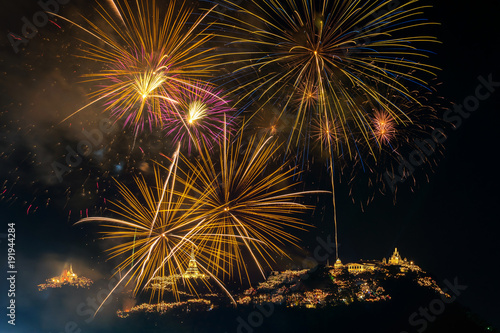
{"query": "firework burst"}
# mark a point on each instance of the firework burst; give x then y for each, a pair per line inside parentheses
(397, 141)
(198, 117)
(325, 133)
(157, 233)
(146, 58)
(222, 209)
(384, 127)
(321, 59)
(247, 204)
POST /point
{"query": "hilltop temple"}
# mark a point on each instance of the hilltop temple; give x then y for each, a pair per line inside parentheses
(371, 265)
(67, 277)
(192, 271)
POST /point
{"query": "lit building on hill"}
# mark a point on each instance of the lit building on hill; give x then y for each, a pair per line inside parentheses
(166, 282)
(371, 265)
(338, 264)
(397, 259)
(68, 278)
(192, 271)
(355, 268)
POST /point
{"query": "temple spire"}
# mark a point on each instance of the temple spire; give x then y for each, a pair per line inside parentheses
(192, 270)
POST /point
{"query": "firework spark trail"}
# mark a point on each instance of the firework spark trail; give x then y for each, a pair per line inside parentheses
(172, 166)
(116, 10)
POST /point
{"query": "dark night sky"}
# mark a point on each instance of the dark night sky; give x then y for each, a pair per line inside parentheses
(449, 225)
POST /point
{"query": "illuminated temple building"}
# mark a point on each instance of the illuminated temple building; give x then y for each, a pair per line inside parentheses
(338, 264)
(192, 272)
(67, 278)
(187, 292)
(355, 268)
(371, 265)
(396, 259)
